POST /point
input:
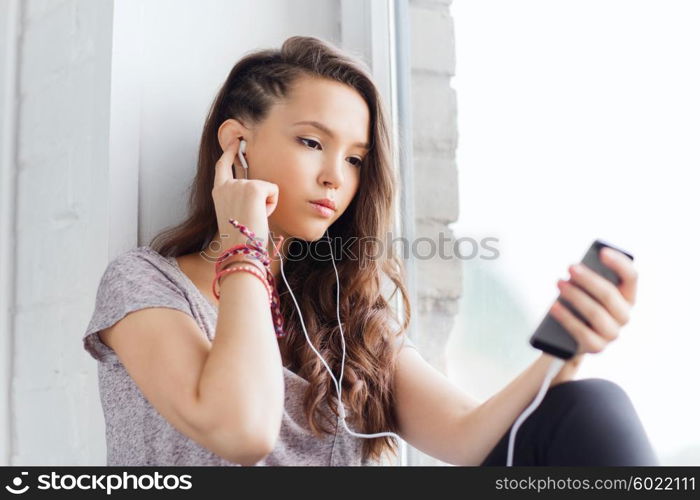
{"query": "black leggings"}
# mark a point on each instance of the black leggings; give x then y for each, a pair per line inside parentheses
(579, 422)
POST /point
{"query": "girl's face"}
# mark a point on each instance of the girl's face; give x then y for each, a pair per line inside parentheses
(309, 161)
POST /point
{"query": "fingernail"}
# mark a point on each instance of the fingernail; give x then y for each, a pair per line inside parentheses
(576, 268)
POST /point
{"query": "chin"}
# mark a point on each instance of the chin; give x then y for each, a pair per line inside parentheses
(310, 232)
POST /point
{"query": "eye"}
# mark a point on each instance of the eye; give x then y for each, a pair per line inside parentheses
(359, 161)
(302, 139)
(305, 141)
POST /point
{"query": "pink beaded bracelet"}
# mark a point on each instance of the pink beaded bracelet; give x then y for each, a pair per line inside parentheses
(262, 262)
(255, 250)
(246, 268)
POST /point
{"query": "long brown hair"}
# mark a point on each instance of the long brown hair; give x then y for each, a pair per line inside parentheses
(370, 325)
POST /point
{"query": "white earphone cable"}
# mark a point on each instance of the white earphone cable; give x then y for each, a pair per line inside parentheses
(551, 372)
(337, 382)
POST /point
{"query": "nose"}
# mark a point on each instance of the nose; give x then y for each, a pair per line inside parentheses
(331, 175)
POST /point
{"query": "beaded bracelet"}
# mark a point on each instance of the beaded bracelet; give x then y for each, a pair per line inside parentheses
(256, 250)
(246, 268)
(250, 234)
(242, 249)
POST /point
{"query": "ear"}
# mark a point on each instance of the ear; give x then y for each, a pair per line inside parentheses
(229, 131)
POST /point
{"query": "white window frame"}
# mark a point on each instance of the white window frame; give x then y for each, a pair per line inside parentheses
(378, 31)
(10, 30)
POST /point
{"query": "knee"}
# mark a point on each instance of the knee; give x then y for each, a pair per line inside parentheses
(606, 426)
(595, 405)
(593, 400)
(594, 389)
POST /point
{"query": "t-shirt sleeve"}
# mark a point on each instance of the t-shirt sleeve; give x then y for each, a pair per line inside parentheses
(130, 282)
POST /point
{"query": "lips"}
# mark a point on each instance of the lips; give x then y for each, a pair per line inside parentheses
(322, 210)
(326, 203)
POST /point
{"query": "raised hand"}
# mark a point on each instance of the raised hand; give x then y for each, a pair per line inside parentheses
(250, 201)
(605, 306)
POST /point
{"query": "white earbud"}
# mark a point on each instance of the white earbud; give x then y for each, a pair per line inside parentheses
(241, 150)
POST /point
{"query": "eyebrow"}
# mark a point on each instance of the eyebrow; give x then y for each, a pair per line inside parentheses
(328, 131)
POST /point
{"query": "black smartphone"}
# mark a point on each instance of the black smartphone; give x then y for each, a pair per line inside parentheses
(550, 336)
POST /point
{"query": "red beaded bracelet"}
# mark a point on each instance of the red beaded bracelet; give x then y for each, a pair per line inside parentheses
(243, 249)
(245, 268)
(258, 252)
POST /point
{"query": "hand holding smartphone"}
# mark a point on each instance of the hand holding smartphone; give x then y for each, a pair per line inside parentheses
(550, 336)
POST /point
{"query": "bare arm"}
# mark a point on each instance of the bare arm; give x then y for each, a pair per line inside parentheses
(228, 395)
(485, 425)
(242, 384)
(443, 421)
(568, 371)
(167, 355)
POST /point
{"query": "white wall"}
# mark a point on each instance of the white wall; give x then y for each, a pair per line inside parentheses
(9, 34)
(185, 61)
(59, 241)
(108, 118)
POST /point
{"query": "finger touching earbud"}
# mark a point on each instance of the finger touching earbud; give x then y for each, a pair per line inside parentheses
(241, 151)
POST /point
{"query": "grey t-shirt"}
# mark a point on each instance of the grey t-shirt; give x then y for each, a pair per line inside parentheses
(136, 433)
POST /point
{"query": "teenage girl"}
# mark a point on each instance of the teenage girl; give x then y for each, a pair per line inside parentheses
(246, 367)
